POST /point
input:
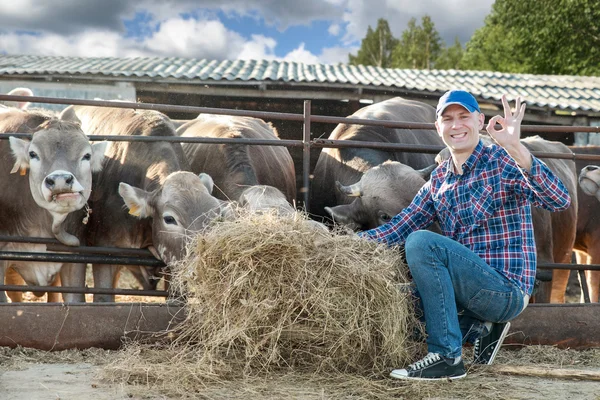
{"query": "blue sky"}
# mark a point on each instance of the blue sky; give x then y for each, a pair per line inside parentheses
(311, 31)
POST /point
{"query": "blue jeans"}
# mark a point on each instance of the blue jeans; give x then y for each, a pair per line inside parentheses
(457, 291)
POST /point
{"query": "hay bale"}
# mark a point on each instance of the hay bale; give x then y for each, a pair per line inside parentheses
(264, 293)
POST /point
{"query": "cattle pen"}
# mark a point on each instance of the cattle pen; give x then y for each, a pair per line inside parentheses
(59, 326)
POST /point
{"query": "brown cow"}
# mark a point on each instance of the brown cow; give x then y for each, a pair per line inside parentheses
(234, 167)
(148, 172)
(50, 201)
(347, 165)
(587, 242)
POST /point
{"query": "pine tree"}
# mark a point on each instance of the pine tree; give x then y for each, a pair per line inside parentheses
(419, 46)
(376, 48)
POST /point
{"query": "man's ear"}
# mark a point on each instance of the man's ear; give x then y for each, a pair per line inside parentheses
(437, 128)
(481, 121)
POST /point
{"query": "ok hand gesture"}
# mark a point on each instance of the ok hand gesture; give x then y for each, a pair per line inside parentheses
(510, 133)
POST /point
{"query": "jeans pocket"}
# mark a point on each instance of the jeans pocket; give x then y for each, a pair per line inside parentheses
(492, 305)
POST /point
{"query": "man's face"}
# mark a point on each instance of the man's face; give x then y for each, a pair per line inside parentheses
(459, 128)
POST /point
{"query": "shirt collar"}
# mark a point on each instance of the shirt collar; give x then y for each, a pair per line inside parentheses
(470, 162)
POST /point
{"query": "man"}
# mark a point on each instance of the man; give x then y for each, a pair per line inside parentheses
(480, 272)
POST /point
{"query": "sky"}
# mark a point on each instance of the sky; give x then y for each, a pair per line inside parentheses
(309, 31)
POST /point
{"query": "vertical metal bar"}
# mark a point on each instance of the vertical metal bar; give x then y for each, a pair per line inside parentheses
(306, 155)
(584, 286)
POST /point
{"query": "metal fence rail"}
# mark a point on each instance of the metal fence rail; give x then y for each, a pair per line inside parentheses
(143, 257)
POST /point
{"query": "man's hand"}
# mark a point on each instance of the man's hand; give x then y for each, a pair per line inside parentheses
(509, 135)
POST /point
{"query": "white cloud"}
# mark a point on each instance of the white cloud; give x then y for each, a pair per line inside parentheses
(259, 48)
(91, 44)
(300, 54)
(334, 29)
(191, 38)
(335, 55)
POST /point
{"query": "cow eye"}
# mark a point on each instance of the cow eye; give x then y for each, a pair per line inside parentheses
(87, 157)
(169, 220)
(33, 155)
(385, 217)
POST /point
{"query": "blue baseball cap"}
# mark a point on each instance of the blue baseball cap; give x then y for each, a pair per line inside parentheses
(459, 97)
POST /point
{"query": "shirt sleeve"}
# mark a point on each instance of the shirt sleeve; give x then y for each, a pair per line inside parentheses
(418, 215)
(542, 187)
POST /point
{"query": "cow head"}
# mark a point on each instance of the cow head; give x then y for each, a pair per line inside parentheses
(261, 198)
(589, 180)
(381, 193)
(60, 160)
(182, 206)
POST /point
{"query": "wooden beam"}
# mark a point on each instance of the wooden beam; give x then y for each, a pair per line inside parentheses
(573, 325)
(545, 372)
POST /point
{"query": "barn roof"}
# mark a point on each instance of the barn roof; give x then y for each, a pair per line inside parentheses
(545, 91)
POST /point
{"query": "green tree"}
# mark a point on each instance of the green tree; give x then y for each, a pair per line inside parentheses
(376, 48)
(538, 36)
(450, 57)
(419, 46)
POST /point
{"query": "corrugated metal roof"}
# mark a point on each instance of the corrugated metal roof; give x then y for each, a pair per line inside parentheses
(555, 91)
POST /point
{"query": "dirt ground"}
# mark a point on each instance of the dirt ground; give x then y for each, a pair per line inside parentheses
(81, 380)
(80, 375)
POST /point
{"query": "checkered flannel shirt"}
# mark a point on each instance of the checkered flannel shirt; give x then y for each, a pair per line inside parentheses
(487, 209)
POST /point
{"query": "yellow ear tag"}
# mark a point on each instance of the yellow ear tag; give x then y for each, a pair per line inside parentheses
(135, 211)
(23, 171)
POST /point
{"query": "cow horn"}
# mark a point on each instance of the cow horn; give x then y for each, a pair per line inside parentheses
(351, 190)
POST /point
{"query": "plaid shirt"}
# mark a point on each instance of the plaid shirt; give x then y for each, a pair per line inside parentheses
(487, 209)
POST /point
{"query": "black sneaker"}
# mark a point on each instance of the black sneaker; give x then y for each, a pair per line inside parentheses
(432, 367)
(486, 347)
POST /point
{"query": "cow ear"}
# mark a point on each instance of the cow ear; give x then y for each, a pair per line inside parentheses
(136, 200)
(207, 181)
(442, 156)
(426, 172)
(23, 105)
(20, 150)
(98, 150)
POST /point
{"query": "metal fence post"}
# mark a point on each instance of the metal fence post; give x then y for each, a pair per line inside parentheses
(306, 155)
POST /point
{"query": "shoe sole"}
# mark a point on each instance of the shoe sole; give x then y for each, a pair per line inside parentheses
(414, 378)
(498, 344)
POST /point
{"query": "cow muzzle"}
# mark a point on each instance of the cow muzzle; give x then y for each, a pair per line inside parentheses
(61, 187)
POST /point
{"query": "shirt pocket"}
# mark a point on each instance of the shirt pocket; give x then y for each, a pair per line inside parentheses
(482, 203)
(476, 207)
(446, 213)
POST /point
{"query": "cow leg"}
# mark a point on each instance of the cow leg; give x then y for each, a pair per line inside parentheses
(560, 280)
(13, 278)
(3, 267)
(73, 275)
(593, 281)
(54, 297)
(105, 276)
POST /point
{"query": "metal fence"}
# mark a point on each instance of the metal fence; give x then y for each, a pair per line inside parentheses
(120, 256)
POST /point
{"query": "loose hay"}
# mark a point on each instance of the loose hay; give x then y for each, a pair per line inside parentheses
(265, 293)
